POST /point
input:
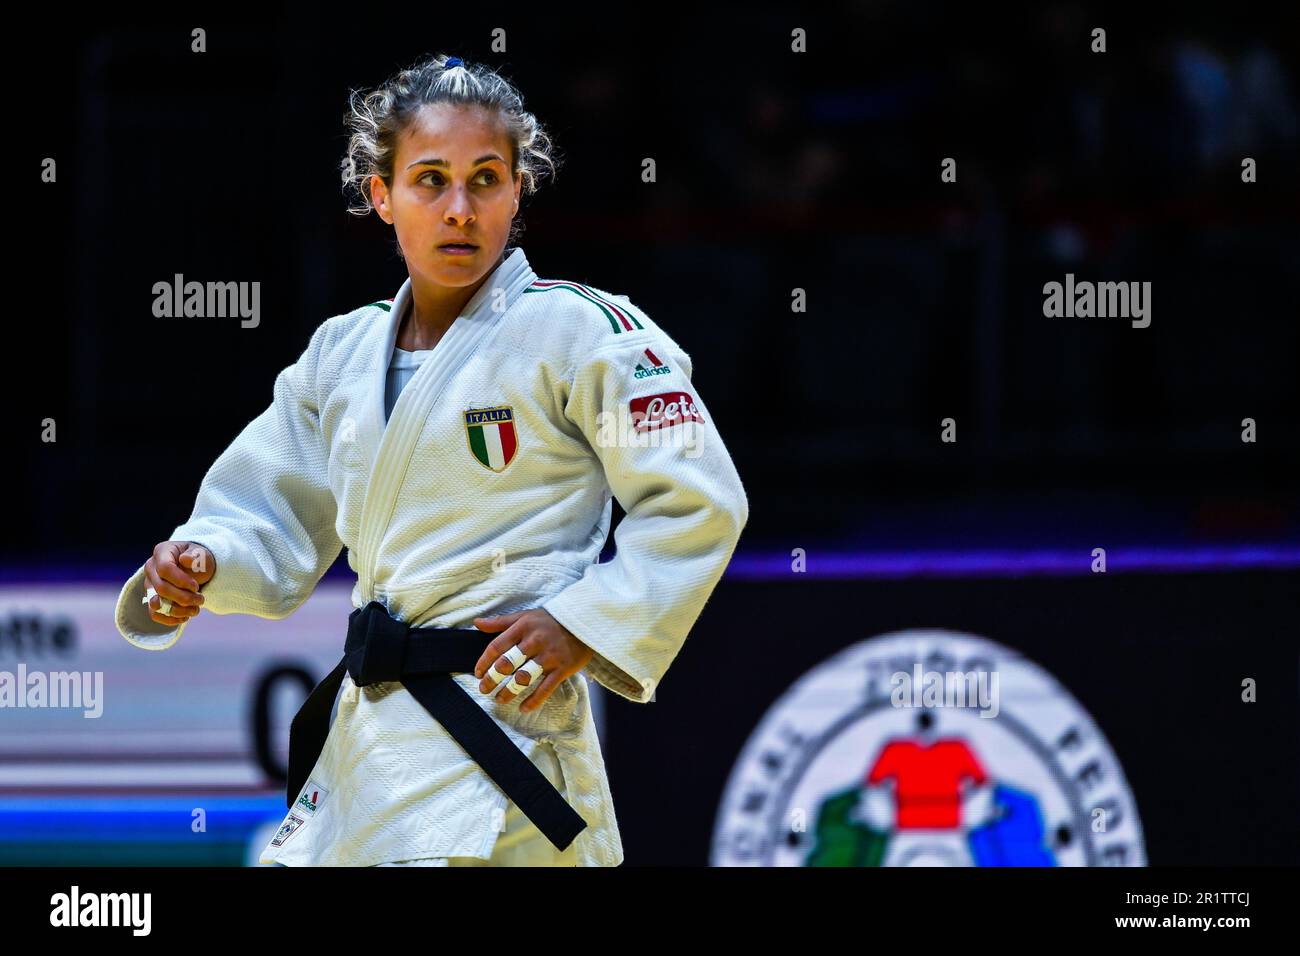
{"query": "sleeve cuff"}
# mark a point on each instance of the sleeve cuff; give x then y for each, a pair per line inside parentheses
(133, 620)
(615, 675)
(132, 617)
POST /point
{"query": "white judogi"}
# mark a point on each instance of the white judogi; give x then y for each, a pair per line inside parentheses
(443, 523)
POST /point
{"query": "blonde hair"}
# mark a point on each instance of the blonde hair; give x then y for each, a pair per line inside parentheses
(376, 118)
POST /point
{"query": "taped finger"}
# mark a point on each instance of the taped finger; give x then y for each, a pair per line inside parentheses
(163, 606)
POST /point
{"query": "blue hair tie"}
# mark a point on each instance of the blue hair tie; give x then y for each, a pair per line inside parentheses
(453, 61)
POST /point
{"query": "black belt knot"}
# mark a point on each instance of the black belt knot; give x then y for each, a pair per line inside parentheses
(376, 645)
(380, 649)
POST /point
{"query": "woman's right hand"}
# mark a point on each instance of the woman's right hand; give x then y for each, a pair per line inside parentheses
(176, 571)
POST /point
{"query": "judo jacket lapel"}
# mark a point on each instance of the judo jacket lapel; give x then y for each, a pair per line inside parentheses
(390, 445)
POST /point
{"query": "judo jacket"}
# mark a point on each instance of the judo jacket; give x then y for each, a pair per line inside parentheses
(488, 490)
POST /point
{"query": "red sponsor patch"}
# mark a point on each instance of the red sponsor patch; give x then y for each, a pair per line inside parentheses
(663, 411)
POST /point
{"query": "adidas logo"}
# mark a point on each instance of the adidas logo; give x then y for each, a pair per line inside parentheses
(652, 366)
(309, 800)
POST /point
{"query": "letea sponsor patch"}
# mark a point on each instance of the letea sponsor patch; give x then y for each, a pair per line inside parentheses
(663, 411)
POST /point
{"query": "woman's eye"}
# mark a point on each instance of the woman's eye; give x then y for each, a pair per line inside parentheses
(430, 178)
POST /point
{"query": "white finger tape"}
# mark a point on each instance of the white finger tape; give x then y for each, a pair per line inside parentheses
(534, 670)
(164, 605)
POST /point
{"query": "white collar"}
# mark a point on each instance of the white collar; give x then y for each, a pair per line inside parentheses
(508, 280)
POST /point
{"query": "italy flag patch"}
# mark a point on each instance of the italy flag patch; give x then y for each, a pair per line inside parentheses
(491, 435)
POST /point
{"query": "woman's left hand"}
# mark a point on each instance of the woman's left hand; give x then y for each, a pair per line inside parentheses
(541, 638)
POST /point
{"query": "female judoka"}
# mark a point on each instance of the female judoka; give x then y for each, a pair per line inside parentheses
(464, 441)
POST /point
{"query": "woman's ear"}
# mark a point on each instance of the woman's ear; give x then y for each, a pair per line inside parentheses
(379, 198)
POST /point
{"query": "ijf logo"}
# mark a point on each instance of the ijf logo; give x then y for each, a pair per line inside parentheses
(292, 823)
(841, 773)
(491, 435)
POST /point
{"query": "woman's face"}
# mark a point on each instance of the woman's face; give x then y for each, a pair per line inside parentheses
(451, 183)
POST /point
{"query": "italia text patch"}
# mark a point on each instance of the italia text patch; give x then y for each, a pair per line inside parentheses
(491, 435)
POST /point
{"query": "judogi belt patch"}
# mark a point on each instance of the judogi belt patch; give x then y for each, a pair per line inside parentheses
(491, 436)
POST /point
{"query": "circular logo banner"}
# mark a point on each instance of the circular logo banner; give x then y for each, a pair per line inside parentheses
(927, 748)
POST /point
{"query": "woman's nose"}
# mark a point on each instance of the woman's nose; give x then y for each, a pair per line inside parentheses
(459, 206)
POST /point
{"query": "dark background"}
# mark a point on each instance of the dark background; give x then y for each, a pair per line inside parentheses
(775, 171)
(1156, 659)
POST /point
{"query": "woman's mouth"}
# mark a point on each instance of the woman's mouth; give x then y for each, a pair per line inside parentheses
(458, 248)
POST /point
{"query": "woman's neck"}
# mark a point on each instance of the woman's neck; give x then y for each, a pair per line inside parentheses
(433, 309)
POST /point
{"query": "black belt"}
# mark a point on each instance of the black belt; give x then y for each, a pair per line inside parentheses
(380, 649)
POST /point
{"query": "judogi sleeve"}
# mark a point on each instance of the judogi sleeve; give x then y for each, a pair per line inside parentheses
(264, 509)
(685, 508)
